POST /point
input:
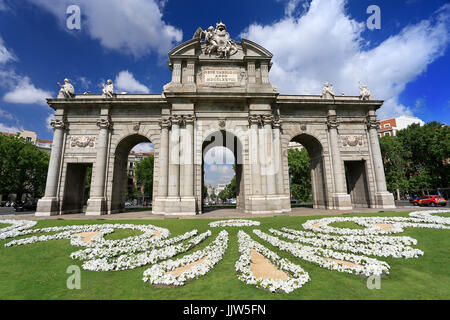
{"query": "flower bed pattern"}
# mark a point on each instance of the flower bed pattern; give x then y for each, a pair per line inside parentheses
(330, 247)
(245, 274)
(234, 223)
(160, 274)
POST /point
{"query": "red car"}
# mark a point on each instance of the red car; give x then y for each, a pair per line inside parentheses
(432, 200)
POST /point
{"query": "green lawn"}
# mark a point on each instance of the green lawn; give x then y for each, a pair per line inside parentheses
(38, 271)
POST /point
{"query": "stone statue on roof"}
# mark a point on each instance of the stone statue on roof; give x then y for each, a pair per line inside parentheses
(327, 91)
(108, 89)
(364, 93)
(217, 41)
(67, 90)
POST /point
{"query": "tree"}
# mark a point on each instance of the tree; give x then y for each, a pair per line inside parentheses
(213, 196)
(395, 160)
(427, 148)
(23, 167)
(144, 175)
(299, 173)
(223, 195)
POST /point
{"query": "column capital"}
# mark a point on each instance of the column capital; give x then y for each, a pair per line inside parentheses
(277, 123)
(58, 124)
(176, 120)
(268, 120)
(104, 123)
(372, 123)
(189, 118)
(254, 119)
(332, 123)
(165, 123)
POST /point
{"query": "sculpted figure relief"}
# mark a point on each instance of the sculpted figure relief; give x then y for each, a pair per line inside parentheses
(327, 91)
(364, 93)
(67, 90)
(217, 41)
(108, 89)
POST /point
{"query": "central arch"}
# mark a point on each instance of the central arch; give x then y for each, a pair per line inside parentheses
(120, 174)
(223, 138)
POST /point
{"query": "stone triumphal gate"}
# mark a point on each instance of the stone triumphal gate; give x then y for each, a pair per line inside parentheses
(219, 95)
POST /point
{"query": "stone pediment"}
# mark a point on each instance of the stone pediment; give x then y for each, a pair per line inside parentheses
(212, 61)
(195, 48)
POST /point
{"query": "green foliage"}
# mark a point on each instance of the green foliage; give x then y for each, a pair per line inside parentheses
(144, 175)
(23, 167)
(299, 173)
(415, 157)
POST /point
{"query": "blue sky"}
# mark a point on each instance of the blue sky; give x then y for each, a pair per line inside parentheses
(406, 62)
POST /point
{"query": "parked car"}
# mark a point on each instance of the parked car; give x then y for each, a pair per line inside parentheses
(431, 200)
(128, 204)
(27, 206)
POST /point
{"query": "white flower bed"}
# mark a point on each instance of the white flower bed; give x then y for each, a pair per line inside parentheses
(68, 232)
(131, 247)
(298, 276)
(428, 215)
(397, 225)
(325, 258)
(234, 223)
(372, 245)
(16, 227)
(159, 274)
(132, 261)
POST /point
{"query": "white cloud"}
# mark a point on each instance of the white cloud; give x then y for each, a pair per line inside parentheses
(48, 120)
(5, 54)
(144, 147)
(5, 128)
(125, 81)
(134, 26)
(25, 92)
(3, 6)
(6, 115)
(219, 155)
(326, 44)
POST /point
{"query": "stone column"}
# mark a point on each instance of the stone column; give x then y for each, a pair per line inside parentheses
(270, 167)
(97, 201)
(174, 158)
(341, 199)
(384, 198)
(278, 150)
(254, 154)
(189, 156)
(163, 158)
(48, 205)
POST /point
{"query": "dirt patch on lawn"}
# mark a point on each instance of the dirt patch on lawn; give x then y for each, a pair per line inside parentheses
(86, 237)
(384, 226)
(264, 268)
(178, 271)
(345, 263)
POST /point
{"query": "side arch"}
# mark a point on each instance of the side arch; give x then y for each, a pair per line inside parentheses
(317, 168)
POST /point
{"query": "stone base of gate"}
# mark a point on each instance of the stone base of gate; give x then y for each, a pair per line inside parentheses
(269, 204)
(96, 207)
(342, 201)
(47, 207)
(385, 200)
(180, 206)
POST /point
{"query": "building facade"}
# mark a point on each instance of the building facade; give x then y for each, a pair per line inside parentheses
(390, 127)
(219, 95)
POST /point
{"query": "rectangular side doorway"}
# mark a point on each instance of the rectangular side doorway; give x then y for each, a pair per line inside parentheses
(357, 187)
(76, 187)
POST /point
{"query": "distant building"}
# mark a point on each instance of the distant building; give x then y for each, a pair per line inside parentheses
(219, 188)
(31, 136)
(294, 145)
(390, 127)
(133, 159)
